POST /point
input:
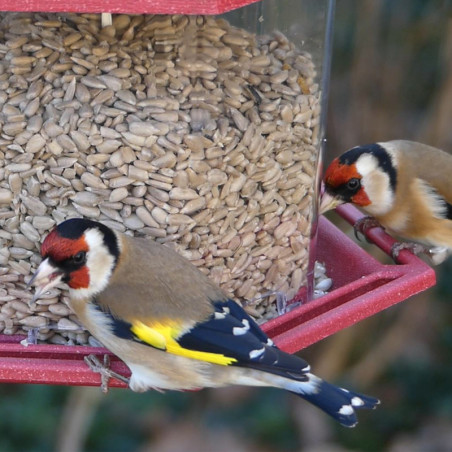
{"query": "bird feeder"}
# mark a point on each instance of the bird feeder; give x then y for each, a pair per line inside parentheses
(201, 126)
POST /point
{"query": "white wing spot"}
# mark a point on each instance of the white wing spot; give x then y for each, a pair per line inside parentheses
(256, 353)
(270, 343)
(239, 331)
(220, 315)
(226, 310)
(346, 410)
(357, 401)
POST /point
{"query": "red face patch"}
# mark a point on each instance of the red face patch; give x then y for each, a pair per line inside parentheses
(361, 198)
(79, 279)
(338, 174)
(60, 248)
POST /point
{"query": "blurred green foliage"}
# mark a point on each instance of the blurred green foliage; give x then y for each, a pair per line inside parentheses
(31, 418)
(28, 415)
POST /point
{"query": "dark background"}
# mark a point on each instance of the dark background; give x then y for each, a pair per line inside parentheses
(391, 78)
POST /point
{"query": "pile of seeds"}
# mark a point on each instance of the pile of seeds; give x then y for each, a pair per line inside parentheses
(187, 130)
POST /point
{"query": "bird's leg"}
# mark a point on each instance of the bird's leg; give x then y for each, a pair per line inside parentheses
(282, 304)
(32, 337)
(104, 370)
(363, 224)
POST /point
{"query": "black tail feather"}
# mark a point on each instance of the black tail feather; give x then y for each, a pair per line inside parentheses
(338, 402)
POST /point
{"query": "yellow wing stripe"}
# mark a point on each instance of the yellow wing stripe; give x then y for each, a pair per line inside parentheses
(162, 336)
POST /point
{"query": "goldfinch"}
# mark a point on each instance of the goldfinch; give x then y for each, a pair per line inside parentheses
(171, 325)
(404, 185)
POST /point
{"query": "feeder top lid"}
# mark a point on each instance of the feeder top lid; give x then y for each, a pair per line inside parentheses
(209, 7)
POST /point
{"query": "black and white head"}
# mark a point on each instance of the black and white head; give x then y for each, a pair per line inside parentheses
(79, 252)
(365, 176)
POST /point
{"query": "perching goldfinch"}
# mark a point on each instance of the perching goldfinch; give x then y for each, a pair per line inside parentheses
(171, 325)
(406, 186)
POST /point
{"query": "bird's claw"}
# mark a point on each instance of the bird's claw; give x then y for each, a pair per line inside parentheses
(363, 224)
(415, 248)
(436, 255)
(104, 370)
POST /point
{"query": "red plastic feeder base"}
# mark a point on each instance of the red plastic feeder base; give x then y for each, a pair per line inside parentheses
(362, 287)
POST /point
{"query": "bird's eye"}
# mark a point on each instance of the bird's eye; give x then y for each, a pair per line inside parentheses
(80, 257)
(353, 183)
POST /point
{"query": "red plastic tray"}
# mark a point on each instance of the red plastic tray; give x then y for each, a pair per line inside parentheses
(362, 287)
(131, 7)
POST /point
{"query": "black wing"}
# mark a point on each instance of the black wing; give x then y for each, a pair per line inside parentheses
(230, 331)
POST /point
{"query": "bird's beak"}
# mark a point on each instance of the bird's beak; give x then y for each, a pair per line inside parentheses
(329, 202)
(46, 277)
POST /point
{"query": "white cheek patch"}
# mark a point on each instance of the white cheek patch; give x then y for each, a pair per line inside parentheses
(376, 184)
(366, 164)
(379, 191)
(100, 264)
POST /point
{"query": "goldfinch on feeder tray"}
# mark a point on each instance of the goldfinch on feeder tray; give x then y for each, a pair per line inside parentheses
(405, 186)
(171, 325)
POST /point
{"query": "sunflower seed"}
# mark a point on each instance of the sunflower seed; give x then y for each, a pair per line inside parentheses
(6, 196)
